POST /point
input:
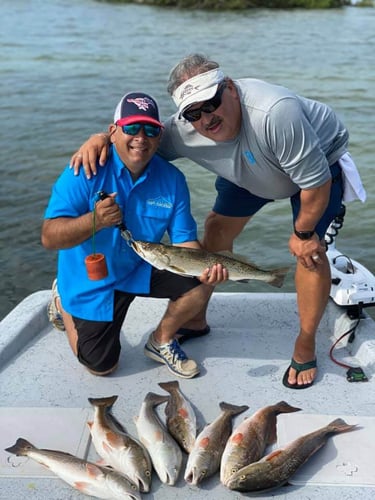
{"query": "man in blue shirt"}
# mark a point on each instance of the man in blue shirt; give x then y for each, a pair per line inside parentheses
(149, 196)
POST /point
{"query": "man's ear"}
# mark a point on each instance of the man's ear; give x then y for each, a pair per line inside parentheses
(111, 130)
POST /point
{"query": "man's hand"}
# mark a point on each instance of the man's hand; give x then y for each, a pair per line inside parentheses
(93, 150)
(308, 252)
(214, 275)
(107, 212)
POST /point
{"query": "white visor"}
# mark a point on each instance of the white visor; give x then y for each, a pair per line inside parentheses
(197, 89)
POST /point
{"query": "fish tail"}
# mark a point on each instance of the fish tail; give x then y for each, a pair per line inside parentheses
(284, 407)
(339, 425)
(21, 447)
(103, 402)
(278, 276)
(169, 386)
(232, 409)
(156, 399)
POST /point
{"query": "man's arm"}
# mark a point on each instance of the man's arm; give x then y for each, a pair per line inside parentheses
(313, 205)
(96, 147)
(67, 232)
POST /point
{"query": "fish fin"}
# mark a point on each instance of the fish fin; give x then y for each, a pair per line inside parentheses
(103, 402)
(278, 276)
(168, 386)
(21, 447)
(233, 409)
(272, 455)
(179, 270)
(93, 470)
(113, 439)
(82, 486)
(204, 442)
(237, 438)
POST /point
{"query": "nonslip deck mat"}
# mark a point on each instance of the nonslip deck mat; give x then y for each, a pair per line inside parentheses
(345, 460)
(62, 429)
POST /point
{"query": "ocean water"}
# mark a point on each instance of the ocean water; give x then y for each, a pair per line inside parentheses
(64, 65)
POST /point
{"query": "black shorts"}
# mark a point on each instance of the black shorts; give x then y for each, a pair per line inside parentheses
(99, 341)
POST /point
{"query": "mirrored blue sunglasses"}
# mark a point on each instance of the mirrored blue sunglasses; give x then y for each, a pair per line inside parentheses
(148, 129)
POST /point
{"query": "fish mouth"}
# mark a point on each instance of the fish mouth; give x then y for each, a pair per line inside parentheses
(193, 477)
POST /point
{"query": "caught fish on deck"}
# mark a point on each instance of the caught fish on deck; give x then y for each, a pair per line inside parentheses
(277, 467)
(204, 459)
(250, 438)
(181, 419)
(165, 453)
(192, 262)
(117, 448)
(86, 477)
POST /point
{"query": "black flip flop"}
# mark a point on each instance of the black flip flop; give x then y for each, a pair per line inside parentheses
(187, 334)
(299, 367)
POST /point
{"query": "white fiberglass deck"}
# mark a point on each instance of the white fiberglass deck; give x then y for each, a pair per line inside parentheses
(242, 362)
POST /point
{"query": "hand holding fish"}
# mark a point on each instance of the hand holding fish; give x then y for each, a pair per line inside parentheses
(214, 275)
(108, 212)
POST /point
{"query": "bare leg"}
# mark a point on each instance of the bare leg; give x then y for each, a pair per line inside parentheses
(312, 296)
(180, 312)
(220, 232)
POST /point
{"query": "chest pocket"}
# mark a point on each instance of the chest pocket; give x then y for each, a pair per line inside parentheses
(153, 215)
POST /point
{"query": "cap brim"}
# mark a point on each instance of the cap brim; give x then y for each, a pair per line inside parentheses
(200, 96)
(138, 119)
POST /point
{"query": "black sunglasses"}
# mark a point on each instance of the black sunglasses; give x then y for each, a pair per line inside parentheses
(193, 115)
(149, 129)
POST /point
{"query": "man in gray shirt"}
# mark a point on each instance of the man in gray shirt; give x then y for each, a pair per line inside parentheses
(265, 143)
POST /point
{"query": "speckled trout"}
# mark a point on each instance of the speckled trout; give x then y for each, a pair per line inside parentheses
(86, 477)
(204, 459)
(117, 447)
(250, 438)
(277, 467)
(193, 261)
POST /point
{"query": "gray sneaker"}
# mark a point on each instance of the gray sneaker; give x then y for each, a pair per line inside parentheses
(173, 356)
(54, 315)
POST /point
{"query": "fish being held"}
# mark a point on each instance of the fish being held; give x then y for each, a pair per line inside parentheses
(181, 419)
(165, 453)
(250, 438)
(204, 459)
(117, 448)
(87, 477)
(192, 262)
(277, 467)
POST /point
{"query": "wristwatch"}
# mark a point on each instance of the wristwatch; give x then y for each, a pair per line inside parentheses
(304, 235)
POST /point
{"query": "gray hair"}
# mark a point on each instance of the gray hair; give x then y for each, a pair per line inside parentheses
(189, 66)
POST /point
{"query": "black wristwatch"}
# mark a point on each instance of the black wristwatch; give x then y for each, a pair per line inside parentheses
(304, 235)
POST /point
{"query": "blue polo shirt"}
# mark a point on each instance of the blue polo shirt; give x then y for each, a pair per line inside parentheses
(157, 203)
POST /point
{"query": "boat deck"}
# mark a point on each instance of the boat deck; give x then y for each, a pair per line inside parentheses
(44, 392)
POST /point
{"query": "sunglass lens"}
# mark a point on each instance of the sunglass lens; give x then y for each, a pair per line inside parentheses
(149, 130)
(132, 129)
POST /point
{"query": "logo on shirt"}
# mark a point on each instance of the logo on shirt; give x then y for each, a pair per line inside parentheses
(249, 155)
(159, 202)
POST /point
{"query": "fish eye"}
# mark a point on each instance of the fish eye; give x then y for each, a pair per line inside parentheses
(243, 477)
(233, 470)
(148, 473)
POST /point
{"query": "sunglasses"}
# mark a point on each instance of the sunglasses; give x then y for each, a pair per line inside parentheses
(148, 129)
(193, 115)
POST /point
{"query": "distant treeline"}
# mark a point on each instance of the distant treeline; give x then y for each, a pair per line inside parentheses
(248, 4)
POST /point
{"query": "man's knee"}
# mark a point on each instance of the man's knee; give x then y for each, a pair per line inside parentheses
(103, 373)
